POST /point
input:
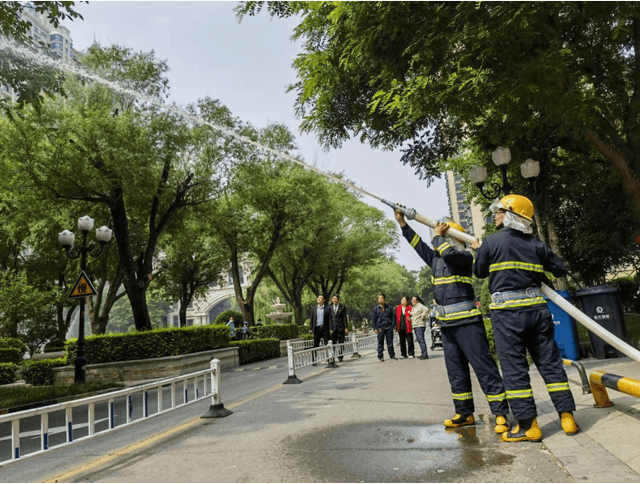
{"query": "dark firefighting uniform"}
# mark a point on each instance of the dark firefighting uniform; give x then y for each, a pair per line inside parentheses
(514, 262)
(464, 339)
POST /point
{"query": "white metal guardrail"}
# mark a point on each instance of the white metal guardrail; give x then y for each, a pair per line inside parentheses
(64, 423)
(300, 356)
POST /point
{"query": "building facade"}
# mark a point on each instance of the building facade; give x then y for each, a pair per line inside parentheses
(42, 31)
(469, 216)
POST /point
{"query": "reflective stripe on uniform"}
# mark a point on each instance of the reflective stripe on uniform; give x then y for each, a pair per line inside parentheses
(436, 281)
(462, 396)
(459, 315)
(550, 276)
(443, 247)
(558, 387)
(518, 303)
(527, 393)
(514, 264)
(497, 398)
(415, 240)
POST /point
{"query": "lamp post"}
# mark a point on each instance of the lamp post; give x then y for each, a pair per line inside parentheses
(501, 157)
(66, 238)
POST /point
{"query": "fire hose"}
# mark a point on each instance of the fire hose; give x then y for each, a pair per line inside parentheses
(561, 302)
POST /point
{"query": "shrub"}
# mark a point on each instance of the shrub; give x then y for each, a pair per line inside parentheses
(7, 373)
(150, 344)
(492, 343)
(253, 350)
(223, 318)
(40, 373)
(10, 355)
(13, 343)
(55, 345)
(279, 331)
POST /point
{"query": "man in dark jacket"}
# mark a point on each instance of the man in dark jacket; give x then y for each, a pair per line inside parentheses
(320, 323)
(516, 264)
(382, 324)
(339, 321)
(464, 339)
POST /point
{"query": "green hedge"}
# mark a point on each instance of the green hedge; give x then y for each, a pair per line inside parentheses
(13, 343)
(279, 331)
(253, 350)
(7, 373)
(492, 343)
(10, 355)
(150, 344)
(40, 372)
(223, 318)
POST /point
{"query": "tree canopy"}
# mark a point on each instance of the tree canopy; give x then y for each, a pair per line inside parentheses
(429, 75)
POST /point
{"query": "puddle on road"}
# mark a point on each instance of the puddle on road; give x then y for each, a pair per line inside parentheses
(398, 452)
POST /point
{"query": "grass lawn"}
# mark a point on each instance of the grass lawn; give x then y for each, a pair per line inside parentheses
(17, 396)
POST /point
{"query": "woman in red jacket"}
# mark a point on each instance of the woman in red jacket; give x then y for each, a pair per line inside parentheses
(403, 327)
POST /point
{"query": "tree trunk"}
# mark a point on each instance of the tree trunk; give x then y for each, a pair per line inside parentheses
(622, 166)
(137, 294)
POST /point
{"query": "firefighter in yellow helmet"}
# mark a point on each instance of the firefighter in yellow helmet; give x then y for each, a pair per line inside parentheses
(464, 339)
(516, 264)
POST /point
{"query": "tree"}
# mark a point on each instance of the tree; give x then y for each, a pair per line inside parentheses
(361, 290)
(433, 74)
(192, 261)
(31, 82)
(144, 168)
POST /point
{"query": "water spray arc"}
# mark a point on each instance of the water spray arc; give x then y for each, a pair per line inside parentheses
(411, 214)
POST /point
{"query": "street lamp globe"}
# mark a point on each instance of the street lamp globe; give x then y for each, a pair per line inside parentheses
(478, 174)
(501, 156)
(85, 224)
(103, 234)
(530, 169)
(66, 238)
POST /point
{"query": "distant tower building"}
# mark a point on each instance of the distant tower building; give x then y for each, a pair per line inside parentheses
(42, 30)
(469, 216)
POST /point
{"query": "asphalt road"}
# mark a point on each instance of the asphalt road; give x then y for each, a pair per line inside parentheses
(366, 421)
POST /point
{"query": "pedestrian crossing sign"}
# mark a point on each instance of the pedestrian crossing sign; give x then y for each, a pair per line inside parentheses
(83, 287)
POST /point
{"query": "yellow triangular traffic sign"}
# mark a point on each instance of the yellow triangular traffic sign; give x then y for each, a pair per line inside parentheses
(83, 287)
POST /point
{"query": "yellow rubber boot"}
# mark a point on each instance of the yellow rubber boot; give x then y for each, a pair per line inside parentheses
(502, 424)
(459, 421)
(525, 430)
(569, 424)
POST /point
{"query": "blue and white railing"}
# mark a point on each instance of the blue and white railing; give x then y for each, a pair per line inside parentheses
(55, 423)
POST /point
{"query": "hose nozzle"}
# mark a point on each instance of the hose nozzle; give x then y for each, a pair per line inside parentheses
(409, 213)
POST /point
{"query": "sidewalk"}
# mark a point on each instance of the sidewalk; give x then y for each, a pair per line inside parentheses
(608, 447)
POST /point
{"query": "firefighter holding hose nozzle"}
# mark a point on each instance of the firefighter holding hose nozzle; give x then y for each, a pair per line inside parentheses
(516, 264)
(464, 339)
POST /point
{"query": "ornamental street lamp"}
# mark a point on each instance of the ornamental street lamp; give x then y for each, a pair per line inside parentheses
(66, 238)
(501, 157)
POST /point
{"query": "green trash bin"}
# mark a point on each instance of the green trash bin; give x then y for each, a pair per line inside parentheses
(603, 305)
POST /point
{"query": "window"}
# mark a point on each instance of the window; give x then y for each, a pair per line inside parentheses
(56, 38)
(458, 186)
(190, 305)
(176, 321)
(461, 207)
(189, 322)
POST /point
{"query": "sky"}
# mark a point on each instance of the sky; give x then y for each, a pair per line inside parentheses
(248, 66)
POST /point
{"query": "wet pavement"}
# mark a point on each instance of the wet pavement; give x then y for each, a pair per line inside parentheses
(366, 421)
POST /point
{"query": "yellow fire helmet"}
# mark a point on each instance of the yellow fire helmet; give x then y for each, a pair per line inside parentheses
(519, 205)
(457, 226)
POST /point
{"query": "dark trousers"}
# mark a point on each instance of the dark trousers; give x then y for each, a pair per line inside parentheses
(318, 334)
(388, 335)
(421, 341)
(338, 336)
(515, 332)
(466, 345)
(406, 339)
